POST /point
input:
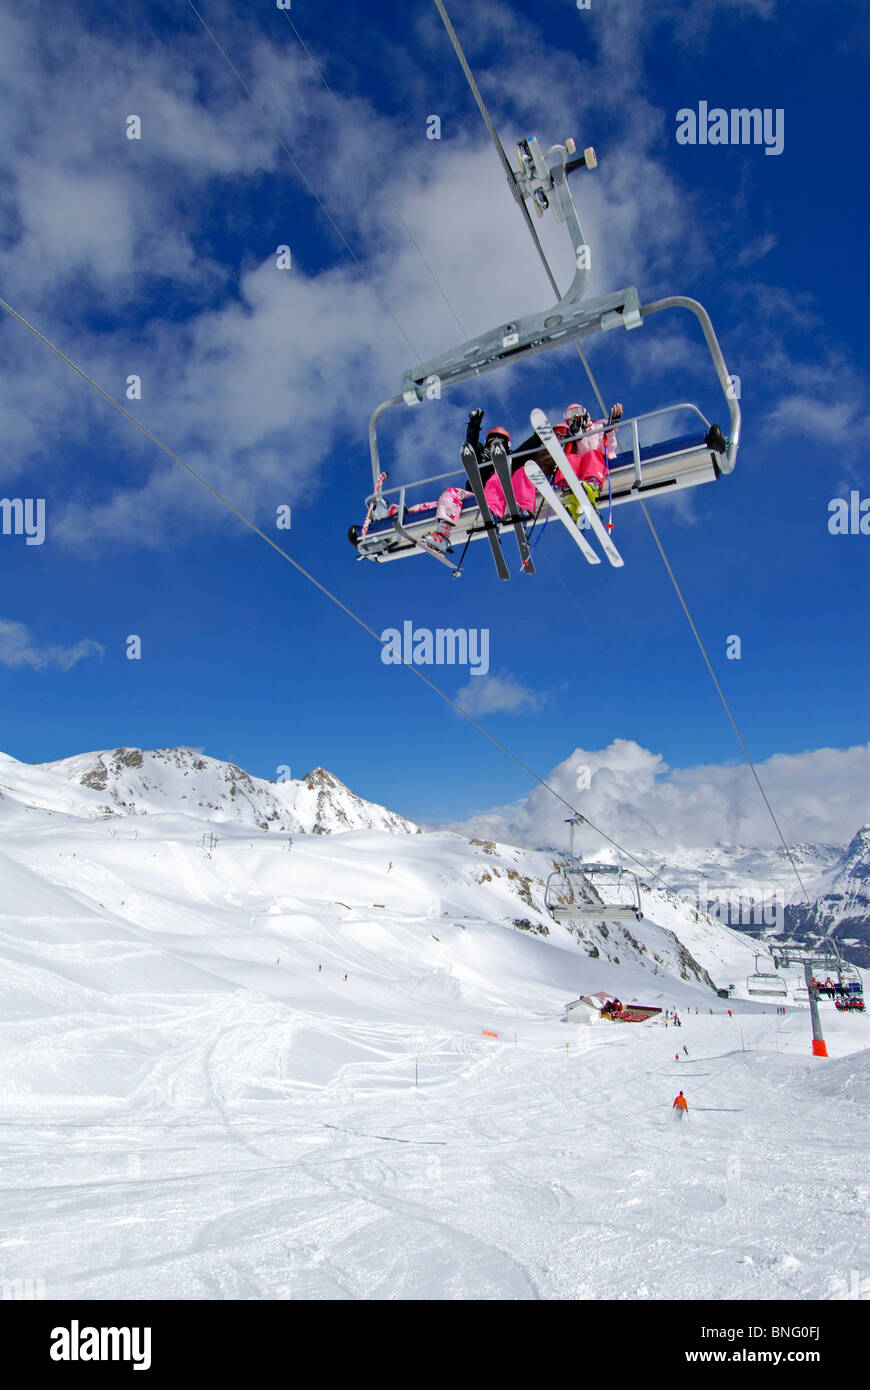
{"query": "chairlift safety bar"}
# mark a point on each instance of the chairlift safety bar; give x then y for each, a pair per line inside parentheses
(631, 423)
(415, 394)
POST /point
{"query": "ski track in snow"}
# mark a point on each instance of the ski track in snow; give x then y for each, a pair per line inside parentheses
(182, 1117)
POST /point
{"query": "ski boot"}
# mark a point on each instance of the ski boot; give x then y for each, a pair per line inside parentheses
(572, 506)
(440, 541)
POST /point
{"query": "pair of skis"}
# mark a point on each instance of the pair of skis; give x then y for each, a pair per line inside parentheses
(535, 474)
(552, 444)
(503, 473)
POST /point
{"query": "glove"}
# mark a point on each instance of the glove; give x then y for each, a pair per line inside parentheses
(475, 417)
(615, 413)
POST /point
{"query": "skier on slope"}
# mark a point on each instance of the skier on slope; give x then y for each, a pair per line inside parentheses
(680, 1107)
(588, 449)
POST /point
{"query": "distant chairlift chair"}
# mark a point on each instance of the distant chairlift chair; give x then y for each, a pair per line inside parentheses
(620, 902)
(766, 983)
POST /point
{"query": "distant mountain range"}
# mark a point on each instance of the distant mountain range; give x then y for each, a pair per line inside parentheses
(181, 796)
(688, 928)
(843, 908)
(135, 782)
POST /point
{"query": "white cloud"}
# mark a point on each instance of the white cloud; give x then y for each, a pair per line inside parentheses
(756, 250)
(19, 648)
(636, 799)
(238, 386)
(499, 694)
(261, 379)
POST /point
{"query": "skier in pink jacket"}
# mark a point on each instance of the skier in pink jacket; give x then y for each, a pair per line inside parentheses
(588, 447)
(524, 492)
(450, 502)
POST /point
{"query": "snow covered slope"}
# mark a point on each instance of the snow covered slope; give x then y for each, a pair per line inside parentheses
(333, 1066)
(168, 787)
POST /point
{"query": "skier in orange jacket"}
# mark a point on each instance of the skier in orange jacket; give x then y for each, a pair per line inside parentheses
(681, 1106)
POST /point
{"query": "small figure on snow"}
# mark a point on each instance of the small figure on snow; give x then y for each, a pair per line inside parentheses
(680, 1106)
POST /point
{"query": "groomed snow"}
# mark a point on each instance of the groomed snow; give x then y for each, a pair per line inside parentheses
(191, 1109)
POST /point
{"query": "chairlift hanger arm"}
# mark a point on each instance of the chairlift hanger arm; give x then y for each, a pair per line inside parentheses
(541, 176)
(679, 301)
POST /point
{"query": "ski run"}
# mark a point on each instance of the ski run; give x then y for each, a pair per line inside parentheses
(326, 1060)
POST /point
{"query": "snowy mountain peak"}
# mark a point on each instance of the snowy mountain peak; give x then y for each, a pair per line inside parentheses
(185, 781)
(325, 805)
(856, 857)
(844, 908)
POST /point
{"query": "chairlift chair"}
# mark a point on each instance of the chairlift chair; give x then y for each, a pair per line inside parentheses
(700, 453)
(561, 904)
(765, 982)
(850, 981)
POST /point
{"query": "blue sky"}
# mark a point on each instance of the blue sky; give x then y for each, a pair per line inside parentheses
(157, 257)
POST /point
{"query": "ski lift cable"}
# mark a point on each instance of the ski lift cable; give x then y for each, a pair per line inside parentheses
(490, 127)
(224, 501)
(439, 5)
(252, 525)
(475, 90)
(413, 240)
(499, 147)
(703, 650)
(277, 134)
(721, 693)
